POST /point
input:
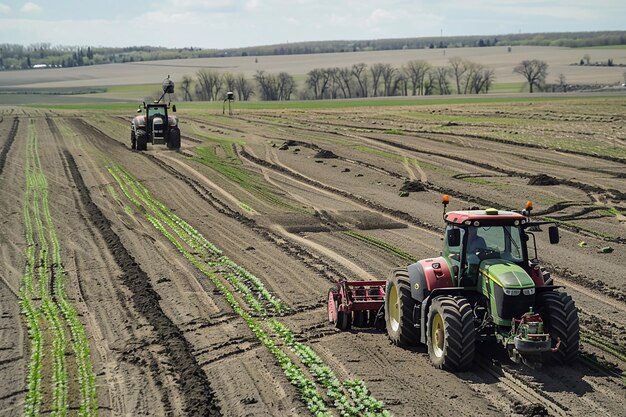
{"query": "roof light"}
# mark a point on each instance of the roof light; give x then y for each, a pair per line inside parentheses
(529, 205)
(445, 200)
(491, 212)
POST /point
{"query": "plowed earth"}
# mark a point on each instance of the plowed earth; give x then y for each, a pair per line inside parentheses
(302, 199)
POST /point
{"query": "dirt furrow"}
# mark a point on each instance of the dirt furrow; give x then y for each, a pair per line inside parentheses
(195, 387)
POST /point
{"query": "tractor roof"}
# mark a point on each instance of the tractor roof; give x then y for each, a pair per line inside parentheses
(491, 216)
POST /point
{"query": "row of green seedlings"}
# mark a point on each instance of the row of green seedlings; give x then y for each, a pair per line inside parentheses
(381, 244)
(36, 185)
(210, 261)
(56, 310)
(607, 347)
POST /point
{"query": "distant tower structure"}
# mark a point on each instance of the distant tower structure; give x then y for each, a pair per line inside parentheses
(230, 97)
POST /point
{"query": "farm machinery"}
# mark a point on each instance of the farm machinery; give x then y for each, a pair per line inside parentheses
(156, 127)
(486, 285)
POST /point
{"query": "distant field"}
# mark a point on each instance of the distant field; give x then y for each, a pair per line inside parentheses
(132, 81)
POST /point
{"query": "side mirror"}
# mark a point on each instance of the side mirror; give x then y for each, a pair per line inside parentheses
(454, 237)
(174, 108)
(553, 232)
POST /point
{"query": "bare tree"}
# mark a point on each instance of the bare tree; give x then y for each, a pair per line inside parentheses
(244, 88)
(314, 78)
(330, 78)
(535, 71)
(275, 87)
(416, 71)
(480, 79)
(459, 67)
(344, 77)
(229, 80)
(209, 84)
(388, 73)
(562, 81)
(185, 84)
(359, 73)
(442, 78)
(377, 71)
(286, 86)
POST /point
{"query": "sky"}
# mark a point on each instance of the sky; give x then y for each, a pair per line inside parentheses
(240, 23)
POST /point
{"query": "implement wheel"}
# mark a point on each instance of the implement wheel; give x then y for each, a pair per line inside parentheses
(560, 316)
(399, 309)
(451, 335)
(341, 319)
(332, 305)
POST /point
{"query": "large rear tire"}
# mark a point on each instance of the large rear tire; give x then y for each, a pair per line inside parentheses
(173, 141)
(133, 140)
(451, 335)
(399, 309)
(142, 140)
(560, 316)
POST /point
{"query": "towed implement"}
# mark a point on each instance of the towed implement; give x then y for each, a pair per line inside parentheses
(486, 285)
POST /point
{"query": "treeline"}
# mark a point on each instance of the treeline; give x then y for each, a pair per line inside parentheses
(43, 54)
(360, 80)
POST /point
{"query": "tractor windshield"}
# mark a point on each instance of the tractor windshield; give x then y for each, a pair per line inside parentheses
(156, 112)
(504, 240)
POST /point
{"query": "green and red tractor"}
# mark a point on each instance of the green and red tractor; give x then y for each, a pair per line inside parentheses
(486, 284)
(156, 127)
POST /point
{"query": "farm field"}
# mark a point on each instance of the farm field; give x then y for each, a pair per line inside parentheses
(133, 81)
(195, 282)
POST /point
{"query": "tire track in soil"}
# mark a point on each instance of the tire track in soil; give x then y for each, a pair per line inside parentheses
(320, 266)
(194, 384)
(457, 135)
(588, 188)
(7, 146)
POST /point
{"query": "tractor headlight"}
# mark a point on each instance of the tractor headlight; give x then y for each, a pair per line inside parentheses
(529, 291)
(512, 292)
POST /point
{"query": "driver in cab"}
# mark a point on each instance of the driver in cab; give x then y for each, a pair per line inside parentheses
(474, 244)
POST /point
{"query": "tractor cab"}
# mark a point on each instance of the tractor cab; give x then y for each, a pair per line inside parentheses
(475, 236)
(157, 122)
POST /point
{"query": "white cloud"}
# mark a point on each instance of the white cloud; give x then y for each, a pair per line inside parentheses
(31, 8)
(4, 9)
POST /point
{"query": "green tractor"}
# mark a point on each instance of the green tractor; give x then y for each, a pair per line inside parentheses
(486, 285)
(156, 127)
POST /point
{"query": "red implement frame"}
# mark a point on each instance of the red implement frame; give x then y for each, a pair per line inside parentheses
(355, 302)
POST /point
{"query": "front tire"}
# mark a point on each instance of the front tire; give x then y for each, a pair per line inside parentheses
(560, 316)
(451, 335)
(399, 309)
(142, 140)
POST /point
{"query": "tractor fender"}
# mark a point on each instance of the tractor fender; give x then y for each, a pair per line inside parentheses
(139, 122)
(428, 274)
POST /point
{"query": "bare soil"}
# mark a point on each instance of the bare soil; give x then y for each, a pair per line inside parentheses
(277, 194)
